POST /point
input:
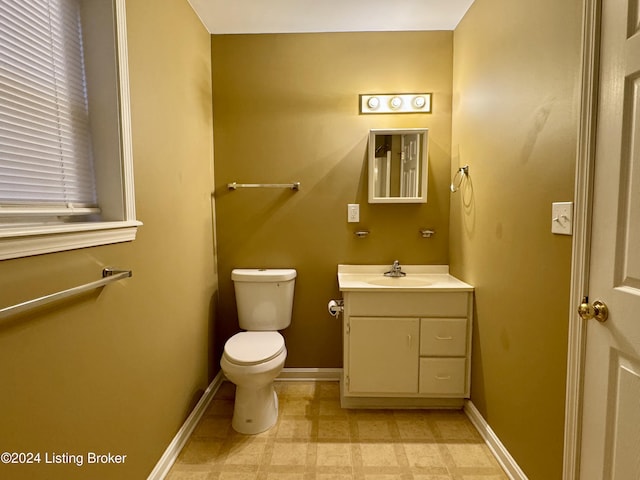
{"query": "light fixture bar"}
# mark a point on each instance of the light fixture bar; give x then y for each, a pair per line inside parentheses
(395, 103)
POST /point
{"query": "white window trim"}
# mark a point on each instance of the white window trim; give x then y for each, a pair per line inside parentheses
(26, 241)
(39, 240)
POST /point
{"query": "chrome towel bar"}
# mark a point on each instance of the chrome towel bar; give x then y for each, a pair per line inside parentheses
(292, 186)
(108, 275)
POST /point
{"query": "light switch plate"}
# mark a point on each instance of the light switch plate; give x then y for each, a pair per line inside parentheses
(562, 218)
(353, 212)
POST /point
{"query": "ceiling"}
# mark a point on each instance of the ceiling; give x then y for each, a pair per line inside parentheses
(299, 16)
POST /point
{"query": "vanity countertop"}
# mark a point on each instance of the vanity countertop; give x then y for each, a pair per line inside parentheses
(419, 278)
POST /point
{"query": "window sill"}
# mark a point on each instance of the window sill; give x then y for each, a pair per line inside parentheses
(17, 242)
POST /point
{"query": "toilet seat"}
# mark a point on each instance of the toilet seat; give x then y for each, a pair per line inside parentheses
(253, 348)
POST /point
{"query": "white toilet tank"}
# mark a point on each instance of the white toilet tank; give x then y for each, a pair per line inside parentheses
(264, 297)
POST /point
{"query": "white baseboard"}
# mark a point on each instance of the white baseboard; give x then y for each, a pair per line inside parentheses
(173, 450)
(503, 456)
(310, 374)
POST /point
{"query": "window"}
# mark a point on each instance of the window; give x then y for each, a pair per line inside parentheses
(66, 173)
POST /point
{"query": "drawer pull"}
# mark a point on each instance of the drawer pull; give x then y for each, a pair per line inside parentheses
(438, 337)
(442, 377)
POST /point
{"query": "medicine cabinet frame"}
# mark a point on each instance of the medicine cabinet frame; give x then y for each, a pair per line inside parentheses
(398, 165)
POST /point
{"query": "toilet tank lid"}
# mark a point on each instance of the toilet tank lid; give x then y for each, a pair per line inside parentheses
(262, 274)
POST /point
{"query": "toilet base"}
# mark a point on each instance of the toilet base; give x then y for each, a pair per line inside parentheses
(255, 409)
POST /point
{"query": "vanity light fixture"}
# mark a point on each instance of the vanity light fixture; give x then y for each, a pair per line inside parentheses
(395, 103)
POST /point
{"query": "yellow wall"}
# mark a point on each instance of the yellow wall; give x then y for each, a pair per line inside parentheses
(286, 109)
(119, 370)
(514, 122)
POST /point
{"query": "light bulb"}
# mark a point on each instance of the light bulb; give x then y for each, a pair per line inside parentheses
(396, 102)
(419, 102)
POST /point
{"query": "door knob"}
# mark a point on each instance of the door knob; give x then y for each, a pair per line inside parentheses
(598, 310)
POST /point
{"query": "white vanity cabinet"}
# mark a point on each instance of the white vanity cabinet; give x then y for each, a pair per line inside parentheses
(407, 347)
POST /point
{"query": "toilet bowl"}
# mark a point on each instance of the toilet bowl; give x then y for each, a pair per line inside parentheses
(253, 359)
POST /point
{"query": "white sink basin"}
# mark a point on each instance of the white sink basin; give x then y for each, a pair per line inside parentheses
(417, 278)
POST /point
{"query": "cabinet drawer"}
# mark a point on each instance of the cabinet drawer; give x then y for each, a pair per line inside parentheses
(443, 337)
(442, 376)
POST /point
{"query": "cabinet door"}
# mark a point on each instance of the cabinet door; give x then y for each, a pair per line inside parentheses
(383, 355)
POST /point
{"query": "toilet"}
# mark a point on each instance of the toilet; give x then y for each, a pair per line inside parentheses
(252, 359)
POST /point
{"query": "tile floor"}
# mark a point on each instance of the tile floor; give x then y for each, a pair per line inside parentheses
(316, 439)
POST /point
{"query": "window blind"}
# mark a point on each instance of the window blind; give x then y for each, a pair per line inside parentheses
(46, 161)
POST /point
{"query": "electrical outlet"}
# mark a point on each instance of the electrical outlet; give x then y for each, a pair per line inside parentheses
(353, 212)
(562, 218)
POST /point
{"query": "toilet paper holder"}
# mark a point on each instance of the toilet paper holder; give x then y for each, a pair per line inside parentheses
(335, 307)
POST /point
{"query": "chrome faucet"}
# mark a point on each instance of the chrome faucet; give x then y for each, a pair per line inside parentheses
(396, 270)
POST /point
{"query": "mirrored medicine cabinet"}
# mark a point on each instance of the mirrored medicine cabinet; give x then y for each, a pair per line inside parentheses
(398, 165)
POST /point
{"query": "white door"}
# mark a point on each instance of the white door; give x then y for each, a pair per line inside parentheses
(611, 397)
